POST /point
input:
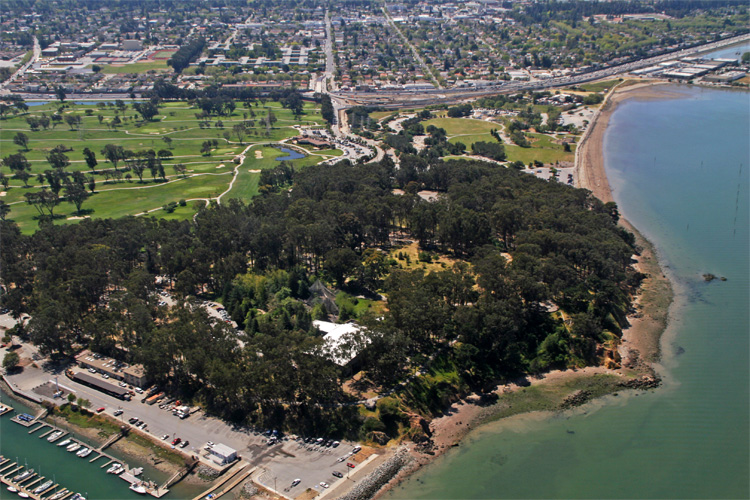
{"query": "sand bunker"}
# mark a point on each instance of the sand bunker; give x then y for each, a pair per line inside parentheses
(254, 171)
(258, 154)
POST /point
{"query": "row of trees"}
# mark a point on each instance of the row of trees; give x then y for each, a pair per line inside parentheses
(186, 54)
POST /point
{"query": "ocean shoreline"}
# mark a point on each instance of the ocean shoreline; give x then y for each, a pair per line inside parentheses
(640, 348)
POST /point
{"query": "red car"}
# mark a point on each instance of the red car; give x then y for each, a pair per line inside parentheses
(176, 441)
(349, 464)
(99, 410)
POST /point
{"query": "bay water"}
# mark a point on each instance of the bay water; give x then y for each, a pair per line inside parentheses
(679, 171)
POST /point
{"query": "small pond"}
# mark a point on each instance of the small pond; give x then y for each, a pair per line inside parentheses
(290, 155)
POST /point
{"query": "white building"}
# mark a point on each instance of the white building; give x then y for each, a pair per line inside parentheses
(222, 454)
(340, 341)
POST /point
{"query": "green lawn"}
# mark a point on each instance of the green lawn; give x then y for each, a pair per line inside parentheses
(598, 86)
(138, 67)
(377, 115)
(542, 149)
(246, 185)
(470, 139)
(463, 126)
(208, 176)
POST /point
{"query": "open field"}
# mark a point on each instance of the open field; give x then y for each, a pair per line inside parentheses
(118, 190)
(377, 115)
(462, 126)
(598, 86)
(470, 139)
(138, 67)
(542, 149)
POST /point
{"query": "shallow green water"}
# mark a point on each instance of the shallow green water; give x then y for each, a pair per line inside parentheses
(675, 166)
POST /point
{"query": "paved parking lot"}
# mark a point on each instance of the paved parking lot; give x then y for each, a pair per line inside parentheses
(309, 463)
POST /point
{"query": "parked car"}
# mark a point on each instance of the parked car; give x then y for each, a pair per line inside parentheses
(118, 413)
(165, 437)
(324, 484)
(337, 474)
(100, 409)
(184, 444)
(350, 465)
(176, 441)
(296, 482)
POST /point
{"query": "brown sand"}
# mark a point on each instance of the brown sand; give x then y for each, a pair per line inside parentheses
(641, 339)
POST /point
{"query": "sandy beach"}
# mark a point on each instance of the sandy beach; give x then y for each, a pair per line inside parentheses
(640, 341)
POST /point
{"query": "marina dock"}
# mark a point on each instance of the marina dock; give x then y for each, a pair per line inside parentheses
(4, 409)
(26, 485)
(10, 469)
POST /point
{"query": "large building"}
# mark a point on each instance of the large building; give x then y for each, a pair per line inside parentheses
(132, 45)
(99, 385)
(134, 375)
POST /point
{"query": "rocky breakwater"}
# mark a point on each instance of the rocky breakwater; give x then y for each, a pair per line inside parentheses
(369, 486)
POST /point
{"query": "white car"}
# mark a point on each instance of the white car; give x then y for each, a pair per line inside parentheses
(296, 482)
(324, 484)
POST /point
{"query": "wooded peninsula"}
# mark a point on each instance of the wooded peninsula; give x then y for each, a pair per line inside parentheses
(512, 275)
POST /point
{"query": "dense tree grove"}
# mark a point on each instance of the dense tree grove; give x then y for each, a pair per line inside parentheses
(523, 247)
(187, 53)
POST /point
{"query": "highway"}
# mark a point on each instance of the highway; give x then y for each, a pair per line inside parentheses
(403, 98)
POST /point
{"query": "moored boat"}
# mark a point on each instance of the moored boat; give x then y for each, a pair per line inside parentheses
(42, 487)
(23, 494)
(73, 447)
(115, 469)
(78, 496)
(84, 452)
(59, 495)
(138, 488)
(54, 436)
(23, 475)
(64, 442)
(12, 489)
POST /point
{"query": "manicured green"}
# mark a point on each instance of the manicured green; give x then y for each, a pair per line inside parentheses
(205, 176)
